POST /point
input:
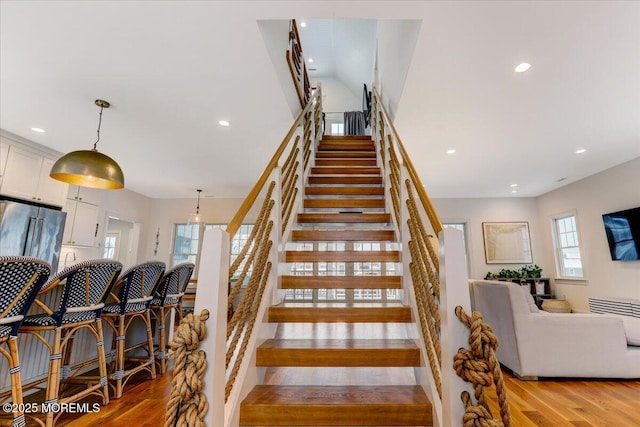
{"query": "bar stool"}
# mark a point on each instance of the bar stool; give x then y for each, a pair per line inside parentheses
(20, 280)
(168, 296)
(84, 289)
(133, 294)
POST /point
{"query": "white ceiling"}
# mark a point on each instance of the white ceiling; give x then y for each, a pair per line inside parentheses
(173, 69)
(340, 48)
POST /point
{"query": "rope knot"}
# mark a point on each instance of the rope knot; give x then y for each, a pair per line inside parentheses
(187, 404)
(480, 367)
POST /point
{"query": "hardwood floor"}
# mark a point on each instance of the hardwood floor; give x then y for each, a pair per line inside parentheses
(572, 403)
(544, 403)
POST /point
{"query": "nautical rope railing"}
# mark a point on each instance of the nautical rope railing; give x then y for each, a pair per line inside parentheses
(278, 190)
(242, 323)
(314, 107)
(410, 204)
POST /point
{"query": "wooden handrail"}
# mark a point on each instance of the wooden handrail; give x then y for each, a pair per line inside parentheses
(436, 224)
(244, 208)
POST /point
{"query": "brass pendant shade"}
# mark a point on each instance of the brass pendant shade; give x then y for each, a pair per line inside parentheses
(89, 168)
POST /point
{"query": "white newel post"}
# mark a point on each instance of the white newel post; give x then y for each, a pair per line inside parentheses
(211, 293)
(454, 291)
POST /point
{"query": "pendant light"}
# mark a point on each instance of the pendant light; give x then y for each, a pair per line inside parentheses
(194, 218)
(89, 168)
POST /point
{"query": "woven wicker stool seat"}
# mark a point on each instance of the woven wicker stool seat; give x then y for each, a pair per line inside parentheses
(167, 297)
(132, 294)
(84, 289)
(20, 280)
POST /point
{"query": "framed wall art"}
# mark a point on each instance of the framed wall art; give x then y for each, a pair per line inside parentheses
(507, 243)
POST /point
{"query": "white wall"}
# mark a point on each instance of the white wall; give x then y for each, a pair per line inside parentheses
(336, 96)
(476, 211)
(275, 34)
(336, 99)
(612, 190)
(396, 43)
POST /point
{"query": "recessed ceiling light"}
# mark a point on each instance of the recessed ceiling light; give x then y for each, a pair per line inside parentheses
(581, 150)
(514, 191)
(521, 68)
(451, 151)
(303, 24)
(39, 130)
(514, 185)
(224, 123)
(310, 60)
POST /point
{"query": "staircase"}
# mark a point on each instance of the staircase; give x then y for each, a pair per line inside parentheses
(340, 363)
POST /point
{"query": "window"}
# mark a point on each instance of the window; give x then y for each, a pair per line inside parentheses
(111, 246)
(567, 247)
(188, 241)
(237, 243)
(337, 128)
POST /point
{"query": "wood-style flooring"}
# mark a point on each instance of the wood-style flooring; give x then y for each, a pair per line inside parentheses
(542, 403)
(552, 403)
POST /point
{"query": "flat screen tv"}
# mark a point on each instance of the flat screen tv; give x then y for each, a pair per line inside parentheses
(623, 234)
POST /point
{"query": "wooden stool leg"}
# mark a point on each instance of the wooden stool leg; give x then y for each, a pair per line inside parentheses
(162, 345)
(102, 363)
(119, 372)
(147, 320)
(16, 380)
(53, 384)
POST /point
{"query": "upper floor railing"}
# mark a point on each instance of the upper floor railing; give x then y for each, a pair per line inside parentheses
(297, 65)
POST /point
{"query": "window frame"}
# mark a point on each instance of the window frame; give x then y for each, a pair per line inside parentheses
(557, 246)
(202, 227)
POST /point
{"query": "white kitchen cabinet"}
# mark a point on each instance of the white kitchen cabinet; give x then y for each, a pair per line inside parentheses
(26, 176)
(82, 209)
(85, 194)
(81, 226)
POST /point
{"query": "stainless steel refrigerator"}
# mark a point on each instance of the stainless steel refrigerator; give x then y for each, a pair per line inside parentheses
(31, 230)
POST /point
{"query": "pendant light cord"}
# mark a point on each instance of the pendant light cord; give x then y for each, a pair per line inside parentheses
(198, 206)
(99, 124)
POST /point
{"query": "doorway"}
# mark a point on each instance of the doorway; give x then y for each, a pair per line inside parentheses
(121, 241)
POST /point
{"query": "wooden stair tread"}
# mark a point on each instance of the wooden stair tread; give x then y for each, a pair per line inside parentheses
(345, 179)
(346, 138)
(340, 282)
(343, 235)
(354, 147)
(345, 154)
(344, 191)
(338, 353)
(349, 217)
(342, 256)
(342, 170)
(336, 405)
(333, 314)
(344, 203)
(346, 162)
